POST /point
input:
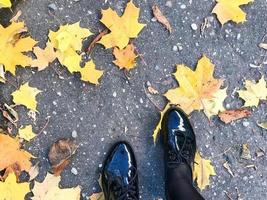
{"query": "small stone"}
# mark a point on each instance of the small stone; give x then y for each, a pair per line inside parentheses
(194, 26)
(245, 124)
(175, 48)
(154, 19)
(114, 94)
(52, 7)
(74, 171)
(102, 139)
(74, 134)
(238, 36)
(100, 165)
(54, 103)
(141, 100)
(59, 93)
(168, 4)
(183, 6)
(180, 47)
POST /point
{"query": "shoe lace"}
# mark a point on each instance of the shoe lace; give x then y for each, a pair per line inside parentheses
(184, 153)
(129, 192)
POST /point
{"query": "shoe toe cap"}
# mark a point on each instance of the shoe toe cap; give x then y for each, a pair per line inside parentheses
(121, 159)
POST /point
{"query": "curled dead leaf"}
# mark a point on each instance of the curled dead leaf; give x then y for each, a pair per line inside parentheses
(152, 90)
(263, 46)
(161, 18)
(60, 153)
(228, 116)
(262, 125)
(10, 114)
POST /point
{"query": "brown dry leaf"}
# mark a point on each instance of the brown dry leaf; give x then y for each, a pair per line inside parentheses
(263, 46)
(10, 114)
(34, 171)
(152, 90)
(226, 165)
(12, 154)
(97, 196)
(161, 18)
(16, 16)
(232, 115)
(125, 58)
(245, 152)
(43, 56)
(60, 153)
(260, 153)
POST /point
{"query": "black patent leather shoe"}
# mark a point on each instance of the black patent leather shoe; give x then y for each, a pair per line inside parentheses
(179, 139)
(119, 175)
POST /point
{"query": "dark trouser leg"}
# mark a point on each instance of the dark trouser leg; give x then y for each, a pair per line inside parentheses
(179, 184)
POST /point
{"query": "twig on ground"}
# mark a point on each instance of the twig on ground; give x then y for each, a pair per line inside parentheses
(44, 127)
(224, 152)
(227, 194)
(97, 38)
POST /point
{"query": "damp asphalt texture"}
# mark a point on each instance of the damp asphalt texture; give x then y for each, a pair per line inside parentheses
(121, 109)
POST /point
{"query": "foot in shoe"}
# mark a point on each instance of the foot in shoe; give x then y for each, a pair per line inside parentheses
(119, 175)
(179, 138)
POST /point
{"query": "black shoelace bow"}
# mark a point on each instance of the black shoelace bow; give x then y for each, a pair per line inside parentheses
(129, 192)
(184, 153)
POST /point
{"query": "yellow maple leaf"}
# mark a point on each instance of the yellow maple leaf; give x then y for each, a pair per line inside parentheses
(43, 56)
(12, 47)
(11, 154)
(254, 92)
(90, 73)
(5, 4)
(11, 190)
(49, 190)
(69, 36)
(122, 28)
(194, 86)
(70, 59)
(26, 133)
(227, 10)
(25, 95)
(214, 105)
(125, 58)
(158, 127)
(202, 171)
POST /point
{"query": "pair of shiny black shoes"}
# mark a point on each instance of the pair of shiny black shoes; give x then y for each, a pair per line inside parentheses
(119, 176)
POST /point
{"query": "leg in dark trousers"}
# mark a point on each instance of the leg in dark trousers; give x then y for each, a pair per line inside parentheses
(179, 153)
(179, 184)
